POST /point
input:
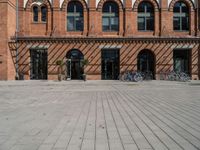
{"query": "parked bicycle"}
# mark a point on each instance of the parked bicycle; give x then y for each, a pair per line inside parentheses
(133, 76)
(175, 76)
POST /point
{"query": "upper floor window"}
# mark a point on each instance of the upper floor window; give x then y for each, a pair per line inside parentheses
(181, 17)
(75, 16)
(145, 16)
(35, 14)
(44, 13)
(110, 17)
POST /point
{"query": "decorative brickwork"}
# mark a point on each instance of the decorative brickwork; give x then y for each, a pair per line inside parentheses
(153, 2)
(188, 2)
(100, 5)
(44, 2)
(65, 3)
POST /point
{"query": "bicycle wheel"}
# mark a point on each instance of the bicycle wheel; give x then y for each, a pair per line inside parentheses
(137, 77)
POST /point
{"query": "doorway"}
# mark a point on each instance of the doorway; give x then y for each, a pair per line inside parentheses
(74, 64)
(182, 60)
(110, 64)
(39, 64)
(146, 62)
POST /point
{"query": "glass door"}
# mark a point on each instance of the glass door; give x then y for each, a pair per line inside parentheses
(39, 64)
(182, 61)
(74, 64)
(110, 64)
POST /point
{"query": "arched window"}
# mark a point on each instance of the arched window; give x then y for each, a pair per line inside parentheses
(35, 14)
(44, 13)
(145, 16)
(181, 17)
(110, 17)
(75, 16)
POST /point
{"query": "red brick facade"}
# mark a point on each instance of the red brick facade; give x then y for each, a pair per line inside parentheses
(54, 37)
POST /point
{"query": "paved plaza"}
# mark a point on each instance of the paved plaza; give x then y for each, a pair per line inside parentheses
(99, 115)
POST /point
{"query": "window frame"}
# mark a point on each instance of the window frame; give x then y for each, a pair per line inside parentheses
(181, 16)
(76, 15)
(35, 14)
(110, 16)
(46, 13)
(145, 15)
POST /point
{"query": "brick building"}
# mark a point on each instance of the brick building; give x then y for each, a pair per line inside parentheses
(113, 35)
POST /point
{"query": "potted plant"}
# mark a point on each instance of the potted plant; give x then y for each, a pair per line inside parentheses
(85, 62)
(59, 63)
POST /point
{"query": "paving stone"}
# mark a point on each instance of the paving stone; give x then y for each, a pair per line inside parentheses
(99, 115)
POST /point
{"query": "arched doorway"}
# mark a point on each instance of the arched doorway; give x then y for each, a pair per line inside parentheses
(74, 64)
(146, 62)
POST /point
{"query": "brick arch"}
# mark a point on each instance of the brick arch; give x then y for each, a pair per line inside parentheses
(147, 50)
(100, 4)
(45, 2)
(153, 2)
(65, 3)
(189, 3)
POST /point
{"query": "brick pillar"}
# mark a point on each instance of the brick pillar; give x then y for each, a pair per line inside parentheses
(85, 15)
(128, 18)
(157, 22)
(121, 22)
(134, 25)
(192, 22)
(166, 19)
(56, 19)
(91, 20)
(93, 24)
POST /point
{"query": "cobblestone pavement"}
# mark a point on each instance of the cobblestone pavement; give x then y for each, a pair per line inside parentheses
(99, 115)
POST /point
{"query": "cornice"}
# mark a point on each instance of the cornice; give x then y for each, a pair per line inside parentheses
(109, 39)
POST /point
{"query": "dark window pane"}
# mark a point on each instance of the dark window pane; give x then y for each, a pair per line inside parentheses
(35, 14)
(184, 8)
(44, 14)
(105, 23)
(176, 23)
(185, 23)
(177, 7)
(149, 23)
(70, 23)
(114, 23)
(145, 7)
(110, 7)
(75, 6)
(141, 7)
(141, 23)
(79, 24)
(149, 8)
(106, 8)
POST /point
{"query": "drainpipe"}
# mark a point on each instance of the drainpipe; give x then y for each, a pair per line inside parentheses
(16, 36)
(197, 18)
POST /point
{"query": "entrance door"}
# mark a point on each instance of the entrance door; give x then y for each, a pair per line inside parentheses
(38, 64)
(74, 64)
(182, 61)
(146, 62)
(110, 64)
